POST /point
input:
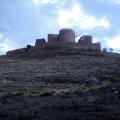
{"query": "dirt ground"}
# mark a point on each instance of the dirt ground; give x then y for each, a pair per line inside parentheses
(62, 87)
(58, 101)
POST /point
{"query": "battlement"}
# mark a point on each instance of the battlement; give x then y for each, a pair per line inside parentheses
(78, 46)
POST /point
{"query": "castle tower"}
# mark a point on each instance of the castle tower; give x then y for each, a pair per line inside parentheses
(87, 39)
(66, 35)
(52, 38)
(40, 41)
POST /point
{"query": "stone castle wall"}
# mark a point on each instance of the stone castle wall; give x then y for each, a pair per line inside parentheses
(66, 39)
(53, 38)
(94, 47)
(79, 46)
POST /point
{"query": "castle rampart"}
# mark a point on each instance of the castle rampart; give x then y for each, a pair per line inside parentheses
(66, 39)
(80, 47)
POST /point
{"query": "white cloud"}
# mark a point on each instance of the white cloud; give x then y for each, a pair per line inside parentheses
(64, 17)
(0, 36)
(7, 45)
(112, 1)
(49, 1)
(36, 1)
(75, 16)
(96, 39)
(113, 42)
(44, 1)
(104, 22)
(115, 1)
(30, 43)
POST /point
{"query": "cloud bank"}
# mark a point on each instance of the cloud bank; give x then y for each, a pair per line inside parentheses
(22, 22)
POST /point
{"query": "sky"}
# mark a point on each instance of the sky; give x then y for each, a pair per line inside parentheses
(24, 21)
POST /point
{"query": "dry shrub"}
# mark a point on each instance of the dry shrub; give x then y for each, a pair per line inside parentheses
(19, 94)
(91, 99)
(47, 93)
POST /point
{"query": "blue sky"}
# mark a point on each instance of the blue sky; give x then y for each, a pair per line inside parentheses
(24, 21)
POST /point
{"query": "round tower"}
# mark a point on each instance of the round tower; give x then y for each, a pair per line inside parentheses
(66, 35)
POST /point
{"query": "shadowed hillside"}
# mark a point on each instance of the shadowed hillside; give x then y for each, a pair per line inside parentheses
(59, 84)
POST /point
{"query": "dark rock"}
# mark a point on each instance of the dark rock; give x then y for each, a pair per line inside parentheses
(92, 80)
(74, 80)
(49, 79)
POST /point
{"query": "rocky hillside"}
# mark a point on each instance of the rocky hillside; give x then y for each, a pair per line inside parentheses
(55, 84)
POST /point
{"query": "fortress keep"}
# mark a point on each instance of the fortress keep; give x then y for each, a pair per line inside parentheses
(65, 35)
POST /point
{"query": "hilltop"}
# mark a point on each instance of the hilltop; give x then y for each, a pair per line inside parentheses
(57, 84)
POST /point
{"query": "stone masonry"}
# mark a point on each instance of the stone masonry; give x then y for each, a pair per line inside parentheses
(66, 38)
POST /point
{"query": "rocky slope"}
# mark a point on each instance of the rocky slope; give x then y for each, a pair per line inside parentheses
(69, 85)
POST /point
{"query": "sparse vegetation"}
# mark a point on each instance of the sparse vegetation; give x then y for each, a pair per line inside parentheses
(111, 49)
(104, 49)
(50, 85)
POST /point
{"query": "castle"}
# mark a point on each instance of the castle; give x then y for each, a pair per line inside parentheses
(66, 39)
